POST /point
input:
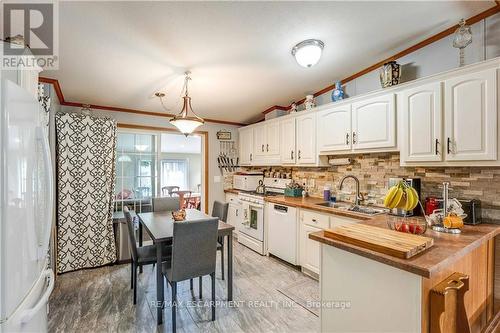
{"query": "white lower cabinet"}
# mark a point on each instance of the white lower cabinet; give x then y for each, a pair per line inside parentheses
(234, 210)
(309, 249)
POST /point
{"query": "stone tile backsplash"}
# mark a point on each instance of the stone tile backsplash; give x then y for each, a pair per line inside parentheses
(374, 171)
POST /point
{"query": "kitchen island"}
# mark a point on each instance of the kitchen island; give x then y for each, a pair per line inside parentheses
(367, 291)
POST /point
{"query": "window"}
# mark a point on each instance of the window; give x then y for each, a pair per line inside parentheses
(135, 166)
(175, 173)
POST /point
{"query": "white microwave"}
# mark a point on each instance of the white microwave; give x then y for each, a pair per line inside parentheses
(246, 182)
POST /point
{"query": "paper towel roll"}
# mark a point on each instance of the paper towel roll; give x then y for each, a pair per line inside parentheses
(339, 161)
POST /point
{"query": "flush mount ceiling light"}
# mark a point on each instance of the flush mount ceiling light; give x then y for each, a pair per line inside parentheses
(183, 121)
(308, 52)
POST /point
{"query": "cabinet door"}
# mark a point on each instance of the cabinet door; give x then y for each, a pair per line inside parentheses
(273, 138)
(422, 116)
(309, 249)
(471, 117)
(374, 123)
(306, 139)
(260, 141)
(334, 129)
(287, 141)
(233, 214)
(246, 146)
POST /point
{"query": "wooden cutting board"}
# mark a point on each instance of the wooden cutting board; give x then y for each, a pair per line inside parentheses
(394, 243)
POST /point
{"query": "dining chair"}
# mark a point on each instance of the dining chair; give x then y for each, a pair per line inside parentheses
(168, 190)
(165, 204)
(184, 196)
(194, 253)
(220, 210)
(141, 256)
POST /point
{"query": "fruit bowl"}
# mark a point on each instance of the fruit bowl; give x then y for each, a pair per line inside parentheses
(410, 225)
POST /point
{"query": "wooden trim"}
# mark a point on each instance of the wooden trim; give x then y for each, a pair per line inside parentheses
(56, 85)
(474, 19)
(206, 172)
(205, 155)
(276, 107)
(62, 101)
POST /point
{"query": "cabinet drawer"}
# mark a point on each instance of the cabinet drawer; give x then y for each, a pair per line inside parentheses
(336, 220)
(231, 198)
(315, 219)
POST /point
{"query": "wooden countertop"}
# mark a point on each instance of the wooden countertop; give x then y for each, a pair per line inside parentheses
(231, 190)
(447, 247)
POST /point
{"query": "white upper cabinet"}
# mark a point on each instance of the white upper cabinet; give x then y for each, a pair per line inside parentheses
(306, 139)
(273, 139)
(374, 123)
(259, 139)
(422, 114)
(471, 116)
(287, 141)
(334, 129)
(266, 143)
(246, 145)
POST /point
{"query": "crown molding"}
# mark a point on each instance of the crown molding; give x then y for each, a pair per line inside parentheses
(62, 101)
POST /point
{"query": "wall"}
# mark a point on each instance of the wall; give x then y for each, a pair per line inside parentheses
(215, 179)
(374, 171)
(437, 57)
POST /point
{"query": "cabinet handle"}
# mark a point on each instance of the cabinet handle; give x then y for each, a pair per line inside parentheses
(314, 220)
(250, 156)
(347, 138)
(291, 155)
(237, 212)
(448, 143)
(262, 148)
(267, 147)
(437, 145)
(299, 154)
(353, 137)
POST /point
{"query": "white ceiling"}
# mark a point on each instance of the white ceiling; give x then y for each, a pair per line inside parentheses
(120, 53)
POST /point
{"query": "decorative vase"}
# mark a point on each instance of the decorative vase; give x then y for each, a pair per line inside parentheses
(390, 74)
(337, 93)
(293, 107)
(309, 103)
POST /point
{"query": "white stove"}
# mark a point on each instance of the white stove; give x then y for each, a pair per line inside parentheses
(251, 227)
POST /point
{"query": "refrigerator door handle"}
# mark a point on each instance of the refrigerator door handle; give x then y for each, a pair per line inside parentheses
(27, 315)
(47, 161)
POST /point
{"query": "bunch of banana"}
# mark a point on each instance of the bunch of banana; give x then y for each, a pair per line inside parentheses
(401, 196)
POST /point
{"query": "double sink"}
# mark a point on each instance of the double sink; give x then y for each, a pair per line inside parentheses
(360, 209)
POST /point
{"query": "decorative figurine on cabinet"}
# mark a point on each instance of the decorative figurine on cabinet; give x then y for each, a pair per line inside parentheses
(309, 102)
(337, 93)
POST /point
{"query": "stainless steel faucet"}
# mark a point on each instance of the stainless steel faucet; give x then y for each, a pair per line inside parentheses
(358, 195)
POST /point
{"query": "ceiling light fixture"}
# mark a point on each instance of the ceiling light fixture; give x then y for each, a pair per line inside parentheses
(185, 123)
(308, 52)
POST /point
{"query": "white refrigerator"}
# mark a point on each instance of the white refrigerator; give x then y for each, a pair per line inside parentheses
(26, 198)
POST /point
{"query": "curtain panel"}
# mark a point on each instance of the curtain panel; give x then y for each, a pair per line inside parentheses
(86, 148)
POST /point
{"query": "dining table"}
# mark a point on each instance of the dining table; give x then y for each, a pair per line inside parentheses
(160, 226)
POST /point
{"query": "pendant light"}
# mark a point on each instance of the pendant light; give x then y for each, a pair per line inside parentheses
(183, 121)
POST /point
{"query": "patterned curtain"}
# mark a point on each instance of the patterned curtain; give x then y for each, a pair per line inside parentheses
(86, 148)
